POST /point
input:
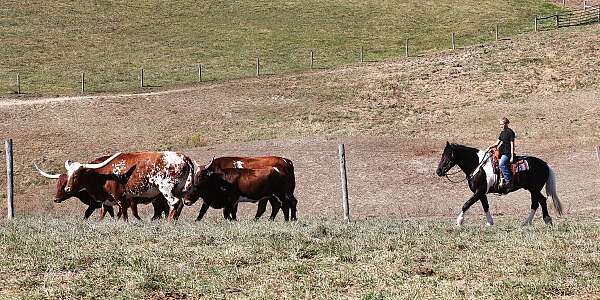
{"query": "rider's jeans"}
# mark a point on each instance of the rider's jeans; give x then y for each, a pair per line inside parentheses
(505, 167)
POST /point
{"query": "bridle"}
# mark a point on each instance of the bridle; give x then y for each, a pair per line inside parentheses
(470, 176)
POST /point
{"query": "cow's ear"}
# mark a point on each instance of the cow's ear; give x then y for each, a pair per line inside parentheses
(447, 144)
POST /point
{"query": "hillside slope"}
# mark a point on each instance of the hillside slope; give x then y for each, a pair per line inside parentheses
(546, 83)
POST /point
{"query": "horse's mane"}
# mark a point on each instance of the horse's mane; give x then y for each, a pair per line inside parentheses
(463, 147)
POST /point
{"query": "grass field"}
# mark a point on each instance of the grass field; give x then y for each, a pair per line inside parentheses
(46, 258)
(51, 42)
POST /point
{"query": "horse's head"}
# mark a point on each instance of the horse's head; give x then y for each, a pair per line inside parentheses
(447, 161)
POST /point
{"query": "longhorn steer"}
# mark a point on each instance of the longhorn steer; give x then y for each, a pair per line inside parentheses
(143, 175)
(283, 165)
(225, 188)
(160, 203)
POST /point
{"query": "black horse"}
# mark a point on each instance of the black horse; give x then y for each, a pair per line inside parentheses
(477, 166)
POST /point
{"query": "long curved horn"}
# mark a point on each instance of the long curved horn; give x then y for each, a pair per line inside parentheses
(102, 164)
(51, 176)
(210, 163)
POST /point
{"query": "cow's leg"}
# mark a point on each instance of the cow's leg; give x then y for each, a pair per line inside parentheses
(134, 210)
(285, 207)
(157, 211)
(275, 205)
(294, 203)
(88, 212)
(262, 207)
(175, 211)
(486, 209)
(123, 206)
(233, 212)
(466, 206)
(203, 211)
(108, 209)
(227, 212)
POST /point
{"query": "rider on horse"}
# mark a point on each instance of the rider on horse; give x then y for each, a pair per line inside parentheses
(506, 147)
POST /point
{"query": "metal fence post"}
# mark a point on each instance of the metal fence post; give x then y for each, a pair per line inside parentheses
(406, 47)
(598, 153)
(535, 24)
(9, 179)
(18, 83)
(344, 178)
(312, 59)
(199, 72)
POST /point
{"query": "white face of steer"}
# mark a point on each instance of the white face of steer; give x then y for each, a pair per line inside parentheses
(74, 171)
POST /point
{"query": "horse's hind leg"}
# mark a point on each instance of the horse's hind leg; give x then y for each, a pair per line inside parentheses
(534, 206)
(486, 209)
(542, 201)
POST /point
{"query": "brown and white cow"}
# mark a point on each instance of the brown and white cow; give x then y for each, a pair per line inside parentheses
(138, 174)
(283, 165)
(159, 204)
(226, 187)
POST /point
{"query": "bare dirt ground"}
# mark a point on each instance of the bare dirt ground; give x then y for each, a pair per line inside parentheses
(394, 117)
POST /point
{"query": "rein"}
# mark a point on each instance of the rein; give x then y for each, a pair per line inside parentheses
(484, 159)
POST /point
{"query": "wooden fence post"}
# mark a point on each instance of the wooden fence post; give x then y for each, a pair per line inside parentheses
(557, 21)
(312, 59)
(598, 152)
(142, 78)
(9, 180)
(497, 32)
(344, 178)
(82, 82)
(257, 66)
(535, 24)
(564, 3)
(453, 42)
(406, 47)
(361, 54)
(199, 72)
(18, 83)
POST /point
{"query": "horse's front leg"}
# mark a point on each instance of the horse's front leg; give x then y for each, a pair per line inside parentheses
(461, 217)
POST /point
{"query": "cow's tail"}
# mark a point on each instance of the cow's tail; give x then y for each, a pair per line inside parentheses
(551, 191)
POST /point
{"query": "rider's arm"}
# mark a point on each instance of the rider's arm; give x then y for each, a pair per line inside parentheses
(512, 151)
(497, 144)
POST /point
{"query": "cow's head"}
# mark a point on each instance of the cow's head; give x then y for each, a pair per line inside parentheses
(202, 180)
(61, 182)
(77, 173)
(447, 161)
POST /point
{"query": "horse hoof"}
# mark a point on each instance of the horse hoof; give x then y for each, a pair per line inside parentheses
(489, 224)
(548, 221)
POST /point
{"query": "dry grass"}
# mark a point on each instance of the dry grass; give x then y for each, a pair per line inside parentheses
(313, 259)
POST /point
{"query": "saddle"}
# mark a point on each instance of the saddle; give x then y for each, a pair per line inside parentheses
(520, 165)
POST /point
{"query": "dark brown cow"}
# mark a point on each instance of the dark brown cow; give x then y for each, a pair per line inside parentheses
(283, 165)
(225, 188)
(138, 174)
(160, 203)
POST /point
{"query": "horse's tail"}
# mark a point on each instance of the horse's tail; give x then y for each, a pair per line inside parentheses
(551, 191)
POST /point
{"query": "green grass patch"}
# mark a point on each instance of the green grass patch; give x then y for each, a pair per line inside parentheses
(51, 42)
(376, 259)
